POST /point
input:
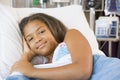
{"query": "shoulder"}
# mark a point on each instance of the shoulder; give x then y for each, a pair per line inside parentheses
(73, 31)
(73, 34)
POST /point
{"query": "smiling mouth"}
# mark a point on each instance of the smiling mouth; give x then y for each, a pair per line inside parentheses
(41, 45)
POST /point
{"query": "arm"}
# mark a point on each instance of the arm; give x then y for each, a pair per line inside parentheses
(81, 67)
(25, 58)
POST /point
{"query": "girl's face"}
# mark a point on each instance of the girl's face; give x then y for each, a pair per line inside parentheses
(39, 38)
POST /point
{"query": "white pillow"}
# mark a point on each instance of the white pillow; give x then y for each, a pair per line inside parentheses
(10, 41)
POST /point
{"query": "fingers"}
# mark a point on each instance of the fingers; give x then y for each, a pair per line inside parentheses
(22, 66)
(25, 46)
(13, 67)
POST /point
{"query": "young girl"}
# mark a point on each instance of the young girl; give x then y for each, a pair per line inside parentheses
(47, 36)
(68, 52)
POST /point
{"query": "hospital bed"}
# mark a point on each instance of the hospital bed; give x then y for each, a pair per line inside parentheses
(11, 38)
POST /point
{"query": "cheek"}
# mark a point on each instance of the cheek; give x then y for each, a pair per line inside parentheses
(52, 39)
(32, 47)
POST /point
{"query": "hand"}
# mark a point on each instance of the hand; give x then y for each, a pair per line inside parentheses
(23, 67)
(28, 53)
(25, 46)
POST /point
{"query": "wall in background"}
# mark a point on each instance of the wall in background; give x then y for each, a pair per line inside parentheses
(6, 2)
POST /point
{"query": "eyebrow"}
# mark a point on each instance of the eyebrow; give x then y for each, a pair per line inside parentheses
(34, 31)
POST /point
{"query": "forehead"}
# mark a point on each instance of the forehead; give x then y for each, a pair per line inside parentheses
(32, 26)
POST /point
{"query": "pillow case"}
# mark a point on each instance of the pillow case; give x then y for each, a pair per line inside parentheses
(10, 41)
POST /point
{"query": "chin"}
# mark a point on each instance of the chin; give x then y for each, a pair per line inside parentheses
(41, 53)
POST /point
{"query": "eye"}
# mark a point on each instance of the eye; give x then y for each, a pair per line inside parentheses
(30, 39)
(42, 31)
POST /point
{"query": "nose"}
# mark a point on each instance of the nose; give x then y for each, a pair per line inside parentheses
(37, 38)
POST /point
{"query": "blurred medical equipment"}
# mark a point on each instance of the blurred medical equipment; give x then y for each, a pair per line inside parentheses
(91, 4)
(59, 2)
(107, 30)
(112, 7)
(43, 3)
(107, 27)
